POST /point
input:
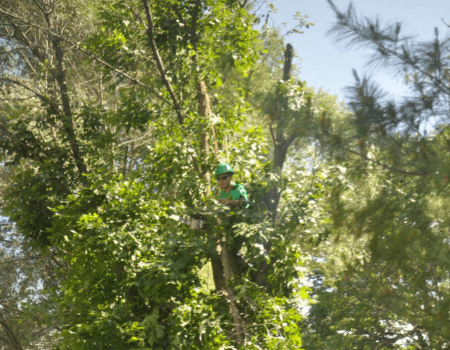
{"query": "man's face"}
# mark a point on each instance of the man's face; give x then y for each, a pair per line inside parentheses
(224, 180)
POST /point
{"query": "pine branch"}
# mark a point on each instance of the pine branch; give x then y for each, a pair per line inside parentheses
(384, 166)
(21, 259)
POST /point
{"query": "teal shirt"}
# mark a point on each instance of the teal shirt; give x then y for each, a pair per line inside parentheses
(237, 192)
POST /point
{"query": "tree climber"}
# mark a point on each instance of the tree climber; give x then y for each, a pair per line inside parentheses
(232, 194)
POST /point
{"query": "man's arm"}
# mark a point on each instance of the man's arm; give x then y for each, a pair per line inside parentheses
(241, 202)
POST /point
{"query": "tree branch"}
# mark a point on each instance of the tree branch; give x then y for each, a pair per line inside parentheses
(12, 336)
(180, 18)
(230, 294)
(4, 130)
(194, 36)
(88, 53)
(384, 166)
(346, 20)
(21, 259)
(271, 133)
(136, 15)
(162, 72)
(242, 5)
(45, 99)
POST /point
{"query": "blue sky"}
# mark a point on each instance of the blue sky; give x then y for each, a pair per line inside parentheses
(328, 64)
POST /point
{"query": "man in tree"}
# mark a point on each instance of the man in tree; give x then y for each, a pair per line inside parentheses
(232, 194)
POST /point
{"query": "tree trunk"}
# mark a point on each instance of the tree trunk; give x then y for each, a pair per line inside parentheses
(60, 76)
(223, 272)
(230, 294)
(281, 146)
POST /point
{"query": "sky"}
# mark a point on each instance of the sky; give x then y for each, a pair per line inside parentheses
(328, 64)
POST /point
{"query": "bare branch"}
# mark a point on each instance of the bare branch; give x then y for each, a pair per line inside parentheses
(41, 7)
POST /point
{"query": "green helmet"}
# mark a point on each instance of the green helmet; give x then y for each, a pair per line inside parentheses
(223, 169)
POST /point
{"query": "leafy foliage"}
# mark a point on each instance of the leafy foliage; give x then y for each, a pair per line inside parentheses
(112, 139)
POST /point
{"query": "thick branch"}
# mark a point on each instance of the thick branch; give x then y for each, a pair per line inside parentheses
(288, 56)
(281, 145)
(15, 342)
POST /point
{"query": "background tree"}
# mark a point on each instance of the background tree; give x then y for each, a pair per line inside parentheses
(24, 309)
(387, 265)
